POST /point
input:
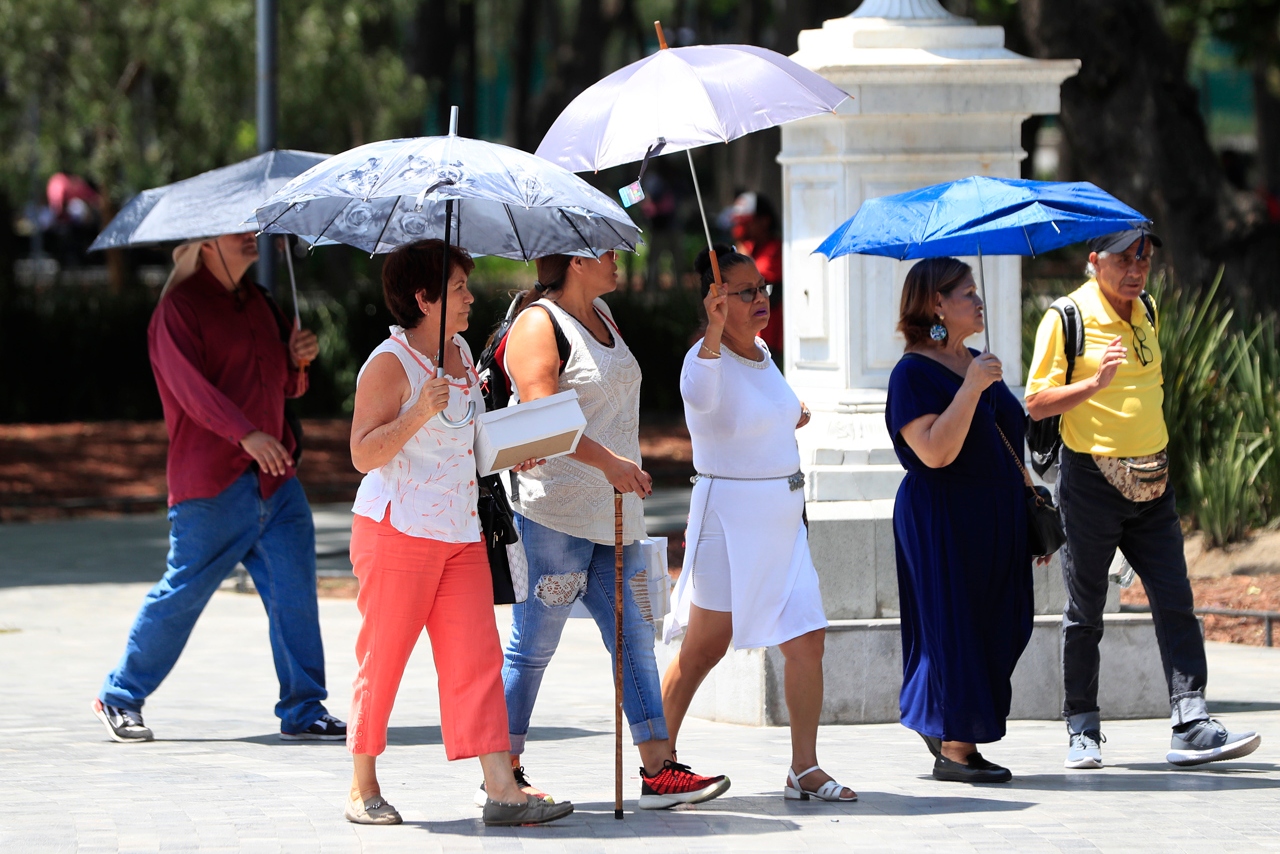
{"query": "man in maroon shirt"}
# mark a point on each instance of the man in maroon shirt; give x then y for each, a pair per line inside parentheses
(224, 368)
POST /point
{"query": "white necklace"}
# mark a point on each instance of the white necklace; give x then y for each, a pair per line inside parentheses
(750, 363)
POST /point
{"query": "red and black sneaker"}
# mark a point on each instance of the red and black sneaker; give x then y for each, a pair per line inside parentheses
(677, 784)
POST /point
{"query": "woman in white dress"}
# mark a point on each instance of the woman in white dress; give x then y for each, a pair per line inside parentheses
(748, 577)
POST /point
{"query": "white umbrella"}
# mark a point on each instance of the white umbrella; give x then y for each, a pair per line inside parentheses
(486, 198)
(681, 98)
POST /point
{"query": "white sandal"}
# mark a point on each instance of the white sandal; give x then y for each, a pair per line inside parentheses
(828, 791)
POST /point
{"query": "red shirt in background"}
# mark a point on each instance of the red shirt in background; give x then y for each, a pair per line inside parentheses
(768, 258)
(223, 372)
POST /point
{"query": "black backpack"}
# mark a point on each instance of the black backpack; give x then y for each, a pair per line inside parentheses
(495, 385)
(1044, 437)
(497, 521)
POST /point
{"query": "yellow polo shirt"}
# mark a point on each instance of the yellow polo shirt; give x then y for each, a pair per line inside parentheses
(1125, 419)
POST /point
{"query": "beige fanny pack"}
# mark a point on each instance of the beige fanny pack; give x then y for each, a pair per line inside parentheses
(1137, 478)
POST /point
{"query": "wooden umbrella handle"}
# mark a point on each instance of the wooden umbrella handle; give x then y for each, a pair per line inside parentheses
(717, 284)
(662, 39)
(617, 654)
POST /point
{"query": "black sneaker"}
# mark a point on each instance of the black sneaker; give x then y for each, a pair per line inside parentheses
(1209, 741)
(482, 797)
(677, 784)
(122, 725)
(324, 728)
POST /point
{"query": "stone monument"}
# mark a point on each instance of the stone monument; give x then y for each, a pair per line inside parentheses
(935, 98)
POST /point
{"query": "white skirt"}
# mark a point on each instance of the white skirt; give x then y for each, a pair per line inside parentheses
(760, 567)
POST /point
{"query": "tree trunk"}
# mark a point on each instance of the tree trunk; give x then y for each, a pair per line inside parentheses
(1131, 124)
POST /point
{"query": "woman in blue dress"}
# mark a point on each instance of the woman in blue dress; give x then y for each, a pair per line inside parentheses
(960, 525)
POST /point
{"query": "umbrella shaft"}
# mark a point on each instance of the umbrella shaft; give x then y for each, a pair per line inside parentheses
(698, 192)
(986, 318)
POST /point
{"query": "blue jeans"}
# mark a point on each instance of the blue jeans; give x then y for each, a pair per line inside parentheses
(562, 569)
(275, 539)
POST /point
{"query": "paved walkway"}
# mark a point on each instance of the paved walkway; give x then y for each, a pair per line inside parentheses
(218, 779)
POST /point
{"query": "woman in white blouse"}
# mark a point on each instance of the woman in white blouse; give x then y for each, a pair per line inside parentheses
(748, 577)
(416, 544)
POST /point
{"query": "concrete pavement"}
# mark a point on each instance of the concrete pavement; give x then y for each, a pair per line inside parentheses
(218, 779)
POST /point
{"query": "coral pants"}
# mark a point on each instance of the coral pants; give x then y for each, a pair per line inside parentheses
(408, 583)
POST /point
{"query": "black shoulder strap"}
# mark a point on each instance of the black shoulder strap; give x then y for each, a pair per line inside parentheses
(1072, 331)
(282, 323)
(562, 340)
(1149, 306)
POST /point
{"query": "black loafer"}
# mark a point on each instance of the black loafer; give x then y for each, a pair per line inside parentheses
(934, 745)
(978, 770)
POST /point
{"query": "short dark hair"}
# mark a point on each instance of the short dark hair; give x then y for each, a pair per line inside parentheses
(925, 281)
(726, 256)
(415, 268)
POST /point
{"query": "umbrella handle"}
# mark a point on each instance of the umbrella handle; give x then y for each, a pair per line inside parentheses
(617, 654)
(717, 284)
(464, 420)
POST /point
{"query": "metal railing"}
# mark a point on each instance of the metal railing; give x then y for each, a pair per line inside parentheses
(1268, 617)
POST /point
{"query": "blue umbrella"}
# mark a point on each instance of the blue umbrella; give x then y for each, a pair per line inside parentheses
(980, 215)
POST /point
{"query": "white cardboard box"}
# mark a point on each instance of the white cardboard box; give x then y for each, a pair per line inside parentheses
(540, 429)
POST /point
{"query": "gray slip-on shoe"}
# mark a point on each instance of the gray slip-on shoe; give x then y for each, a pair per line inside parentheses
(532, 811)
(1210, 741)
(373, 811)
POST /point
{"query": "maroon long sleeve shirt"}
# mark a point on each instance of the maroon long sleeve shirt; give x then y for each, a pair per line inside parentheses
(223, 371)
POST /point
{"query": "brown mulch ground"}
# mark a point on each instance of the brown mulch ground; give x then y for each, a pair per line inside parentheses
(50, 471)
(1240, 592)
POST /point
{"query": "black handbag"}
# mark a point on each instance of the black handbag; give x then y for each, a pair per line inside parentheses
(498, 527)
(1044, 523)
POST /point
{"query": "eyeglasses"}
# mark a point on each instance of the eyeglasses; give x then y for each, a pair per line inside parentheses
(749, 294)
(1140, 347)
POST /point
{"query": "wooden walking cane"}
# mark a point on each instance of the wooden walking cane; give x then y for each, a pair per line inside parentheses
(617, 655)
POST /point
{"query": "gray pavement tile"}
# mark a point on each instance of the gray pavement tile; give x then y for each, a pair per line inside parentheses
(219, 778)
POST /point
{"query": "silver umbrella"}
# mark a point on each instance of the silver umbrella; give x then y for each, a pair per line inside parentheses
(486, 198)
(214, 203)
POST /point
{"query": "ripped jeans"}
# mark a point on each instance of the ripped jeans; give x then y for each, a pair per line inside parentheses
(563, 568)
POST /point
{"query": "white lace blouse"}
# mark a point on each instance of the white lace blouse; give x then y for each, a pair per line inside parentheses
(572, 497)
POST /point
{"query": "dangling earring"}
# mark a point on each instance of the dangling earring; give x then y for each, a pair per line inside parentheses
(938, 332)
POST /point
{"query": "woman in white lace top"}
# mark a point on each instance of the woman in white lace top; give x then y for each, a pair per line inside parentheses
(748, 577)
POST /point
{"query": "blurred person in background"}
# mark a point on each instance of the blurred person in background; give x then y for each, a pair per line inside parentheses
(754, 225)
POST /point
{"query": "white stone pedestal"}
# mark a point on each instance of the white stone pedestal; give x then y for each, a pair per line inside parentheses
(862, 670)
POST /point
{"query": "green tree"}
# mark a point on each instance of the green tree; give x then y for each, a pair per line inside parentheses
(132, 95)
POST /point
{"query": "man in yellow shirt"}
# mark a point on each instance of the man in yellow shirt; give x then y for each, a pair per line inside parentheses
(1113, 493)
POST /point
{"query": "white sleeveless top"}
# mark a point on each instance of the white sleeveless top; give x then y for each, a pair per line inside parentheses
(572, 497)
(430, 484)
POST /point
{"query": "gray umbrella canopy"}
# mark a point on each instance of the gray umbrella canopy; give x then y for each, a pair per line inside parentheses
(498, 200)
(213, 203)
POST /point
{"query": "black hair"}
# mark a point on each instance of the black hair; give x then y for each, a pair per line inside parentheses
(728, 258)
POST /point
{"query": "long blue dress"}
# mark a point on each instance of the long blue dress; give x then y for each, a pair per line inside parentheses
(964, 566)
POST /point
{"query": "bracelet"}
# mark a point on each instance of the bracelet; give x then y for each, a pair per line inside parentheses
(709, 350)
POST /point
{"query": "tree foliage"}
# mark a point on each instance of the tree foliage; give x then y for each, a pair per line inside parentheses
(132, 95)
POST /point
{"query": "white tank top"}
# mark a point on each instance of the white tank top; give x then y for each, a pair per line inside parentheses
(430, 484)
(572, 497)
